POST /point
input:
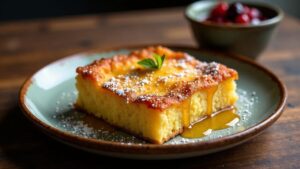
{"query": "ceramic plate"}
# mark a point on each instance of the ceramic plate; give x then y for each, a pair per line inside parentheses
(47, 98)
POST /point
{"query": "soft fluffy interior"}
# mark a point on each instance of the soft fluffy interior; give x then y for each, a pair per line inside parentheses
(152, 124)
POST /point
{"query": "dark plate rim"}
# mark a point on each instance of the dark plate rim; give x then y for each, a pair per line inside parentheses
(117, 147)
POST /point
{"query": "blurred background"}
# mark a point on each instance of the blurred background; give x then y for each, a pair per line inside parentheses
(33, 9)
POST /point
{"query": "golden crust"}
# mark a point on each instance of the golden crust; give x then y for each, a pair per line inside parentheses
(111, 73)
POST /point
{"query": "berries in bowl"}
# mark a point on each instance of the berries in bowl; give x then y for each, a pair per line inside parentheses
(235, 13)
(241, 28)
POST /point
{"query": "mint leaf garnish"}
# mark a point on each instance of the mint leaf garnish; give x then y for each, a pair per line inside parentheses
(155, 63)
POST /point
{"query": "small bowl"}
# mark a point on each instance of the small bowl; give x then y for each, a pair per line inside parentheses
(248, 40)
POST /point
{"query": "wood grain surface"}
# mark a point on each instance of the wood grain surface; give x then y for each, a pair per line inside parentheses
(26, 46)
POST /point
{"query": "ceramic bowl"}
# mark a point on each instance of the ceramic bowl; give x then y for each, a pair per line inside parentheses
(249, 40)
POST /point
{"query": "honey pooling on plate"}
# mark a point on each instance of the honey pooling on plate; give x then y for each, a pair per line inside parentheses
(213, 120)
(217, 121)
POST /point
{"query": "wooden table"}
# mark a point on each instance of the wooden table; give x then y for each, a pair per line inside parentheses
(27, 46)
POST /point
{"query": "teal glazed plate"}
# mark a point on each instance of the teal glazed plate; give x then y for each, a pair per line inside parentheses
(47, 99)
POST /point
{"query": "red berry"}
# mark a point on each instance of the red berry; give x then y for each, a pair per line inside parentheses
(254, 13)
(220, 10)
(243, 19)
(246, 9)
(234, 10)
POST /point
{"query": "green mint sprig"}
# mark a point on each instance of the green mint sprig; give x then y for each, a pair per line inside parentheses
(155, 63)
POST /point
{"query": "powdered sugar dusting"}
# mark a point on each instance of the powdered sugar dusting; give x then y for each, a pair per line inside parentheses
(139, 82)
(211, 69)
(88, 126)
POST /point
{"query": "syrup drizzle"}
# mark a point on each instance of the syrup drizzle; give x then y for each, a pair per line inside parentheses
(186, 113)
(213, 121)
(209, 97)
(217, 121)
